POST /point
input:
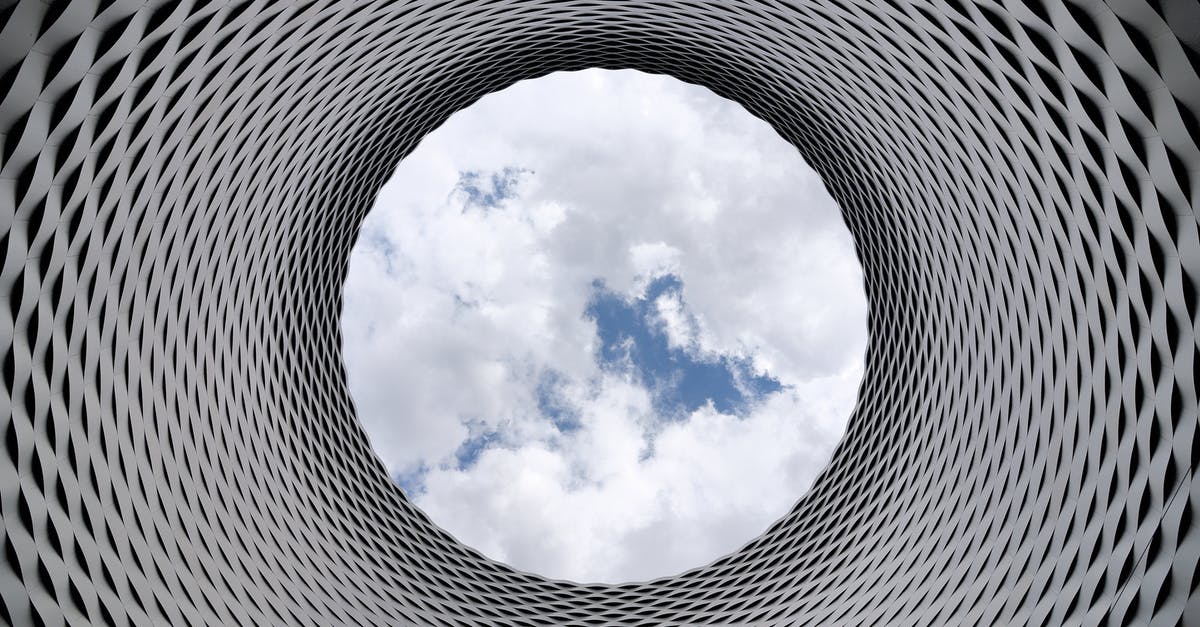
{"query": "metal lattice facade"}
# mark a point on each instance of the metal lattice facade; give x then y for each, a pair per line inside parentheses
(181, 183)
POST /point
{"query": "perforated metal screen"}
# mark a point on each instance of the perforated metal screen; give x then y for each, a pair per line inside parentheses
(181, 183)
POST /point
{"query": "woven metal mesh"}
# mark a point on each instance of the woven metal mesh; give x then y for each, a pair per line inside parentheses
(181, 183)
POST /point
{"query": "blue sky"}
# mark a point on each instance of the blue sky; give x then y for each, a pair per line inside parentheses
(488, 190)
(681, 380)
(633, 342)
(604, 326)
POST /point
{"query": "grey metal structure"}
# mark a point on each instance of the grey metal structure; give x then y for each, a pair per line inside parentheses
(181, 183)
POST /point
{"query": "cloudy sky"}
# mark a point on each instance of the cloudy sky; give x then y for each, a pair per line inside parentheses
(604, 326)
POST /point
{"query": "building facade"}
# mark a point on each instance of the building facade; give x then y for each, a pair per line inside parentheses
(181, 183)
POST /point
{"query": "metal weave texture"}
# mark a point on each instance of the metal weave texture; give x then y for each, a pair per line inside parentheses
(181, 183)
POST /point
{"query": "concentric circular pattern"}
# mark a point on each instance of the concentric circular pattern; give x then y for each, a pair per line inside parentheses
(182, 183)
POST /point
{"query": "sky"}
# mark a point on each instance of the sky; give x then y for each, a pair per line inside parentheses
(604, 326)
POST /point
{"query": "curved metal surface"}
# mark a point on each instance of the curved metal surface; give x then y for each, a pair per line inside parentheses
(181, 183)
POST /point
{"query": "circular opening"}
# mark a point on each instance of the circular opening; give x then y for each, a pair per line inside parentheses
(604, 326)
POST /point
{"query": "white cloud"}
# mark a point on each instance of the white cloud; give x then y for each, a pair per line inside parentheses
(681, 330)
(453, 318)
(651, 258)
